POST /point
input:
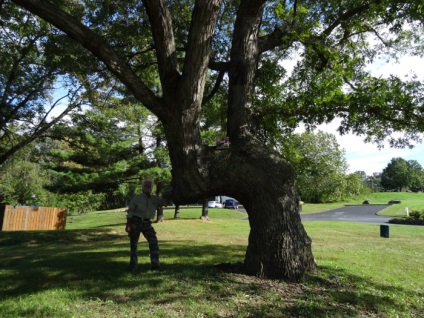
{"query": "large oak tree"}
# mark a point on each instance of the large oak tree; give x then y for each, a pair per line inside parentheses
(242, 44)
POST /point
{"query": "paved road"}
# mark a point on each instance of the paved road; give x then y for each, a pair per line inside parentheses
(353, 213)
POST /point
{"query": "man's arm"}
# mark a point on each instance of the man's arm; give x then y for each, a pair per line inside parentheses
(128, 226)
(131, 208)
(130, 212)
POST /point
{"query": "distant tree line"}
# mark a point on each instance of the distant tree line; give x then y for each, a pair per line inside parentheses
(399, 175)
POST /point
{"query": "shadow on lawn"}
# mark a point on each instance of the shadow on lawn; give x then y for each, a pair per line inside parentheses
(94, 265)
(338, 293)
(35, 261)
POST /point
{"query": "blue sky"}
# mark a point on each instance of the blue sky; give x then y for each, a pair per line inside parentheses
(362, 156)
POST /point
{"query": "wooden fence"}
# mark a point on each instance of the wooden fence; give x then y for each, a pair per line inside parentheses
(32, 218)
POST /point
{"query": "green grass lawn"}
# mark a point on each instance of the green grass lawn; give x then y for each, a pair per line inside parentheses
(83, 271)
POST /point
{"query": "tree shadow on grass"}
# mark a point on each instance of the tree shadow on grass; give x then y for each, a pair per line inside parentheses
(35, 261)
(337, 293)
(93, 264)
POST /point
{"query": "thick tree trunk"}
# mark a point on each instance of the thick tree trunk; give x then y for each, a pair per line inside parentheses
(177, 211)
(278, 245)
(259, 177)
(264, 183)
(160, 217)
(205, 210)
(159, 211)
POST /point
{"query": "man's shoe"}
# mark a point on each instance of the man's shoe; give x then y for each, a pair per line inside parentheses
(133, 269)
(155, 268)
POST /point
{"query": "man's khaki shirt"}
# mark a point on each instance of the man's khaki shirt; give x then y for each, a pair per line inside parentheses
(144, 207)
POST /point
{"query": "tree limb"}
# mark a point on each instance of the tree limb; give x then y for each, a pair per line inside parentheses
(245, 52)
(277, 38)
(219, 66)
(346, 16)
(38, 132)
(163, 35)
(215, 88)
(199, 47)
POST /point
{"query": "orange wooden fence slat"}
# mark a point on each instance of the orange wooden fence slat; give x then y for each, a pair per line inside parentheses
(29, 218)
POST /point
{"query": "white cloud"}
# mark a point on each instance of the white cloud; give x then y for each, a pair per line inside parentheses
(406, 66)
(367, 157)
(370, 159)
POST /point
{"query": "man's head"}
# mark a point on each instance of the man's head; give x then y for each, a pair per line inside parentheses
(147, 187)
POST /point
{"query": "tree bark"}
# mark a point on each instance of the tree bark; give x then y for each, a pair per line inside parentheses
(159, 211)
(177, 211)
(278, 245)
(160, 217)
(264, 183)
(205, 210)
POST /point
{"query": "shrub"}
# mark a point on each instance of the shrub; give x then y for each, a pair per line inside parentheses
(415, 215)
(414, 218)
(81, 202)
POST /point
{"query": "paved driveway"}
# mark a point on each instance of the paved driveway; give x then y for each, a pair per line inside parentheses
(353, 213)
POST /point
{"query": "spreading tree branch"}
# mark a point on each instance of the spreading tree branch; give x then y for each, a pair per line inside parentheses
(215, 89)
(163, 35)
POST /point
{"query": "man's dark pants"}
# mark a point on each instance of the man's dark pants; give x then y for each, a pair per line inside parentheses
(144, 226)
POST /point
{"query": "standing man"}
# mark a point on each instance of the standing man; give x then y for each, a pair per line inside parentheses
(141, 210)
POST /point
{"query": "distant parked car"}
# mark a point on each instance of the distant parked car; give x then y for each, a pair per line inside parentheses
(231, 204)
(214, 204)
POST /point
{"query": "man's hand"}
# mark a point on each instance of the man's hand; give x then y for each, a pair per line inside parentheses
(128, 226)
